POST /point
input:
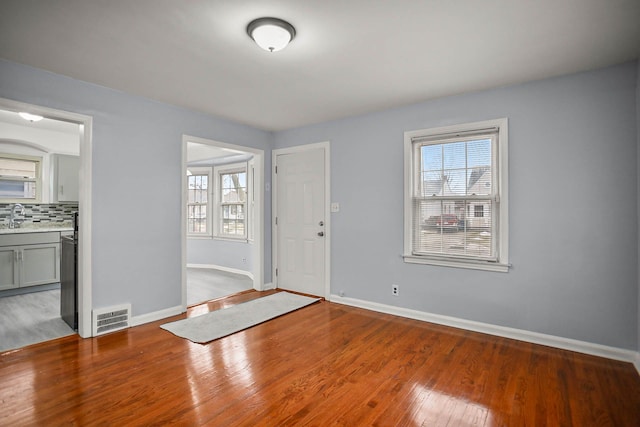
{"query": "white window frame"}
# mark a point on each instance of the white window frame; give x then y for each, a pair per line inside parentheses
(218, 171)
(38, 178)
(202, 171)
(500, 172)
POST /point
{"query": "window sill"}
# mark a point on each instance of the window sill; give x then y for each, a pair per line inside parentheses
(231, 239)
(473, 265)
(199, 236)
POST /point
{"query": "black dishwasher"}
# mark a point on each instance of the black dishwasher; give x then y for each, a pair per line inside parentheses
(69, 277)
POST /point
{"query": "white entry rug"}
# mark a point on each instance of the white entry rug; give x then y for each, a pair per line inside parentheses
(226, 321)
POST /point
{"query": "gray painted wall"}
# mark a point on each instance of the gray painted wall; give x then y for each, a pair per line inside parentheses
(638, 191)
(224, 253)
(136, 256)
(573, 208)
(573, 200)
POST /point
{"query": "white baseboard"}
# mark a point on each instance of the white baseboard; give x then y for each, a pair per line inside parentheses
(501, 331)
(268, 286)
(156, 315)
(222, 268)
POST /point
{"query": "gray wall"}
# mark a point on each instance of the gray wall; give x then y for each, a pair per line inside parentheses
(573, 200)
(224, 253)
(573, 208)
(638, 190)
(136, 256)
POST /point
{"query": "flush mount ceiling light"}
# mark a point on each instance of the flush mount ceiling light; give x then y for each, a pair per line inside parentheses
(271, 34)
(30, 117)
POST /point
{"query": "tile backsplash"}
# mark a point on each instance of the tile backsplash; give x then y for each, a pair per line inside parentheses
(39, 213)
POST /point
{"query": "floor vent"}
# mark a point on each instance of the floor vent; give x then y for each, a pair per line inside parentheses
(111, 319)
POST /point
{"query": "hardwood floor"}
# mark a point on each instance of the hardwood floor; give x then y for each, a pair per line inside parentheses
(324, 364)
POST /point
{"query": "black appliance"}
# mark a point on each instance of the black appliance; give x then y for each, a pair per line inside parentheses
(69, 276)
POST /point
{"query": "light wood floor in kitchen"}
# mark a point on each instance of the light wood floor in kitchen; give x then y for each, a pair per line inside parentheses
(325, 364)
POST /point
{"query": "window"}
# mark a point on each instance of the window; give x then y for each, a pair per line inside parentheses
(456, 196)
(198, 202)
(232, 200)
(19, 178)
(218, 203)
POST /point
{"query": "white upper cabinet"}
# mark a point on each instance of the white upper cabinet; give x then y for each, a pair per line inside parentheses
(65, 172)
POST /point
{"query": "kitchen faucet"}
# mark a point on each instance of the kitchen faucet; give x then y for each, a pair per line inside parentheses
(12, 218)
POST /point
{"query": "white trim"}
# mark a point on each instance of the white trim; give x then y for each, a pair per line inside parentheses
(222, 268)
(636, 362)
(268, 286)
(326, 147)
(84, 203)
(257, 249)
(156, 315)
(501, 182)
(487, 266)
(501, 331)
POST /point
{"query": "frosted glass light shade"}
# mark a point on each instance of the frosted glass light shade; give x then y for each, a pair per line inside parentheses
(30, 117)
(271, 34)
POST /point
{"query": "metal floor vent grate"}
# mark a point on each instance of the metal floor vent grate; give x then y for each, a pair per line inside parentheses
(111, 319)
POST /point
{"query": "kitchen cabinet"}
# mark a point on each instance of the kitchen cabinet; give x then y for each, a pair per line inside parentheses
(29, 259)
(65, 173)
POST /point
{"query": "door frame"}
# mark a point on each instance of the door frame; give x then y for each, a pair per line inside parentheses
(84, 203)
(326, 147)
(257, 249)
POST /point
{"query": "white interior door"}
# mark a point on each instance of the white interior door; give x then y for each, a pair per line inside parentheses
(300, 221)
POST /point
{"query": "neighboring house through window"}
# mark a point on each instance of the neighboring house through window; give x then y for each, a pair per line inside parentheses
(20, 178)
(456, 196)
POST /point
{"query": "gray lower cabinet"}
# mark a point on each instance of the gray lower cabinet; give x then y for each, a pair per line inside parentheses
(35, 263)
(9, 267)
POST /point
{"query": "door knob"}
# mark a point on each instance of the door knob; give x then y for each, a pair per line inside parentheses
(320, 233)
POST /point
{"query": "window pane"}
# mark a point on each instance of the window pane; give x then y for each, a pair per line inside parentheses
(432, 183)
(234, 187)
(454, 155)
(479, 181)
(454, 183)
(17, 189)
(197, 218)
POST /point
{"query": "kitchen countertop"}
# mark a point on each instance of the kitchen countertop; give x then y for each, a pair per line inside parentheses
(37, 228)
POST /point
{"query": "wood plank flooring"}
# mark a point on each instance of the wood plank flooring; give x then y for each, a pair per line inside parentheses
(325, 364)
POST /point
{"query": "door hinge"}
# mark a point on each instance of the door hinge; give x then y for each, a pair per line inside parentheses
(276, 169)
(276, 220)
(276, 272)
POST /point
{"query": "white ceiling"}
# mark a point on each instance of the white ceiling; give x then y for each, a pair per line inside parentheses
(349, 56)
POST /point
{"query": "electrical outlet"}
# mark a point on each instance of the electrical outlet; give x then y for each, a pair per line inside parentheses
(395, 291)
(244, 260)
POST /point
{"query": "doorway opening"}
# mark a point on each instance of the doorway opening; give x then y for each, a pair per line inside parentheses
(59, 149)
(222, 220)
